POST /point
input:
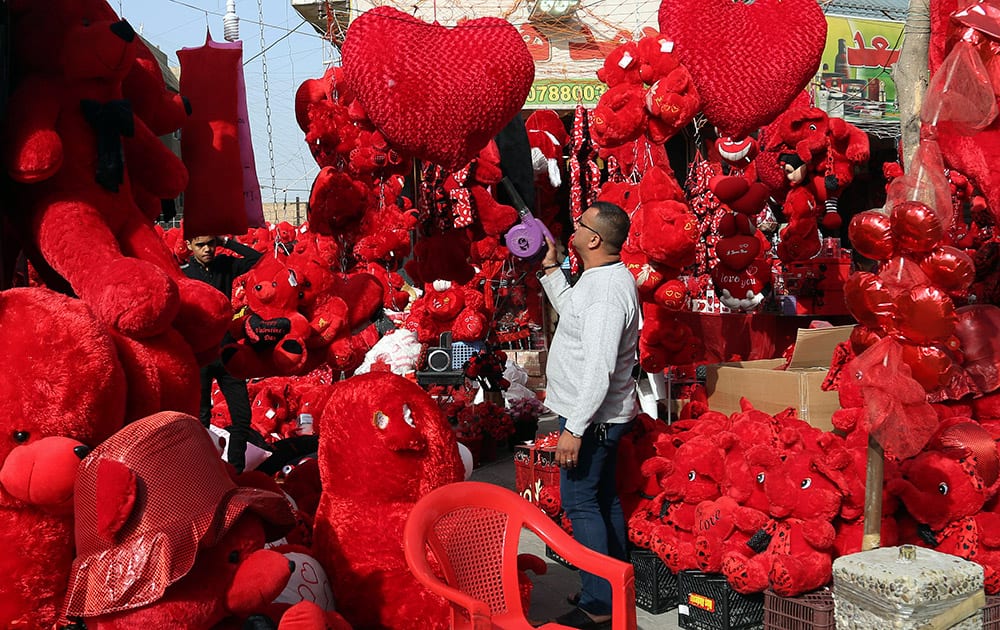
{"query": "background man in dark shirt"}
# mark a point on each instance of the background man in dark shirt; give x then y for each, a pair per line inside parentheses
(220, 271)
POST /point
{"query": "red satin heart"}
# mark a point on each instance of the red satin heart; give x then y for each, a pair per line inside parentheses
(736, 252)
(869, 301)
(925, 315)
(437, 93)
(748, 60)
(949, 268)
(871, 235)
(915, 226)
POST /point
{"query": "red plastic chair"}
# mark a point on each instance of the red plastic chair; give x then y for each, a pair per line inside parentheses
(472, 530)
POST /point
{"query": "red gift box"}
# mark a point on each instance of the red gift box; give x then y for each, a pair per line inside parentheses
(535, 468)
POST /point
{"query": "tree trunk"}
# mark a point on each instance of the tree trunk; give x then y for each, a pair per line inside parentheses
(912, 76)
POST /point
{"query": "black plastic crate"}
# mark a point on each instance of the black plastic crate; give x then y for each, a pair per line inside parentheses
(991, 614)
(810, 611)
(707, 602)
(655, 584)
(551, 553)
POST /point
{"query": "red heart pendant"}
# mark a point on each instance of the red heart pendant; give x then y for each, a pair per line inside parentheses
(748, 60)
(736, 252)
(437, 93)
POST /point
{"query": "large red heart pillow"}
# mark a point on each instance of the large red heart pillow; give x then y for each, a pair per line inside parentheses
(749, 58)
(437, 93)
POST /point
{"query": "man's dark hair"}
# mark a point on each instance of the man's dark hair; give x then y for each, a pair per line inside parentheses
(615, 224)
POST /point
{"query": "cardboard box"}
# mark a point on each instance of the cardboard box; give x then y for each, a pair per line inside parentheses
(772, 390)
(531, 361)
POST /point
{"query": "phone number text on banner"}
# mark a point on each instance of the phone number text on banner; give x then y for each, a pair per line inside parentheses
(556, 94)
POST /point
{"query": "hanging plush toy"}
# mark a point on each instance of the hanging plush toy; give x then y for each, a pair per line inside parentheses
(426, 65)
(745, 82)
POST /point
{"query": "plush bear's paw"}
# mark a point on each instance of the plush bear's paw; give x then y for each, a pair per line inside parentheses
(289, 356)
(133, 296)
(743, 576)
(204, 315)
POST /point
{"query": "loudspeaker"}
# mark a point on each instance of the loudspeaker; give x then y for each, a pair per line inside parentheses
(439, 358)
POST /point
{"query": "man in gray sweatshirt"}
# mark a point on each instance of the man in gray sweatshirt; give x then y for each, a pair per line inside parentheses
(591, 387)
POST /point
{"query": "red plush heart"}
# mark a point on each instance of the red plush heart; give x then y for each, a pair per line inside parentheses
(437, 93)
(736, 252)
(748, 60)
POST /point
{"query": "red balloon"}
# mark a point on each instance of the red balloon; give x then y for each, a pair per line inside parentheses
(978, 330)
(916, 226)
(862, 338)
(950, 268)
(870, 233)
(868, 300)
(899, 274)
(671, 294)
(931, 366)
(925, 315)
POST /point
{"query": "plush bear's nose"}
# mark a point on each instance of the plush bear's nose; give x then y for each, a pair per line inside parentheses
(81, 451)
(124, 30)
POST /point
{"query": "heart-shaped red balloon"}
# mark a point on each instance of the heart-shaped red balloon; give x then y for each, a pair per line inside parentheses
(437, 93)
(915, 226)
(931, 366)
(862, 338)
(899, 274)
(949, 268)
(870, 233)
(869, 301)
(736, 252)
(748, 60)
(925, 315)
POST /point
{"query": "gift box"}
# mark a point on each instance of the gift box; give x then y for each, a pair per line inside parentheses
(535, 468)
(907, 588)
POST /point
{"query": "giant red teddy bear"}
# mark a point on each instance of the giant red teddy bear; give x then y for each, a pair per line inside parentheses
(383, 444)
(68, 130)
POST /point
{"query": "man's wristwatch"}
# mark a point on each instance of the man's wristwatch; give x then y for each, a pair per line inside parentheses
(541, 272)
(576, 435)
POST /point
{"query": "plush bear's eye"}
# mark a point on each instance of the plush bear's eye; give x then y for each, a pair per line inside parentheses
(274, 284)
(760, 477)
(234, 557)
(258, 288)
(807, 482)
(21, 436)
(812, 127)
(692, 475)
(943, 488)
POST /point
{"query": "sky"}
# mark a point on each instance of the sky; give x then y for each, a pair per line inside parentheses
(175, 24)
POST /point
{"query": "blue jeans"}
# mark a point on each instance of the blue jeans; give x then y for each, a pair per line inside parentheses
(591, 502)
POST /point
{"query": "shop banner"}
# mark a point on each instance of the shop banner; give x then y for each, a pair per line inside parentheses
(854, 80)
